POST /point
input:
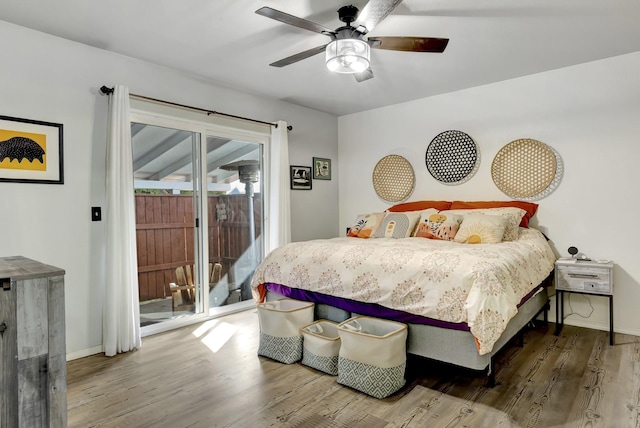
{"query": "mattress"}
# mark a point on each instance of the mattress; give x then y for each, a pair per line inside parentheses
(476, 287)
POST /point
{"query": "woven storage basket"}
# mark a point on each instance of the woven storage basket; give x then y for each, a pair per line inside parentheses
(280, 323)
(524, 168)
(321, 345)
(373, 355)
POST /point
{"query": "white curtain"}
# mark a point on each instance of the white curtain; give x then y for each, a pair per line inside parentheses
(121, 324)
(280, 206)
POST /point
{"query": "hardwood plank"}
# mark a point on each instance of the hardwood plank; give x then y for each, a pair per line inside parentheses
(210, 375)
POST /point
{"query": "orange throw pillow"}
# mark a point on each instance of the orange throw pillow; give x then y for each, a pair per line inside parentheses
(420, 205)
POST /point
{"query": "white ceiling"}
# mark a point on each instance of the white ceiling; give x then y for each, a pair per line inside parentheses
(226, 43)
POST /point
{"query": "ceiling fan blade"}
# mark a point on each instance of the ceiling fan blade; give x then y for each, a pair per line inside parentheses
(292, 20)
(299, 56)
(409, 44)
(365, 75)
(374, 12)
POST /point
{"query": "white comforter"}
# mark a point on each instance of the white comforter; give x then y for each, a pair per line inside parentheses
(477, 284)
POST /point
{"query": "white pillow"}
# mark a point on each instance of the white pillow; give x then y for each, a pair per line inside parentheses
(481, 229)
(512, 214)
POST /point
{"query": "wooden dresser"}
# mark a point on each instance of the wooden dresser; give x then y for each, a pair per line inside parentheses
(33, 381)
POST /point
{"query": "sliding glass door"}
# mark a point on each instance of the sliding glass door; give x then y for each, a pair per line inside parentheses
(235, 217)
(199, 219)
(168, 249)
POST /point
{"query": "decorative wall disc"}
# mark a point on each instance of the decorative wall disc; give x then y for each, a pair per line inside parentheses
(556, 179)
(393, 178)
(525, 169)
(452, 157)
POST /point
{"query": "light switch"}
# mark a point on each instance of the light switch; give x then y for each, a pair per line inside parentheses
(96, 214)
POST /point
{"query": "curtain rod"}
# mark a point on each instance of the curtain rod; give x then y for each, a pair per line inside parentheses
(108, 91)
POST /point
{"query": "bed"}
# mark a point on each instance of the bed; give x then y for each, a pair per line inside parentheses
(462, 302)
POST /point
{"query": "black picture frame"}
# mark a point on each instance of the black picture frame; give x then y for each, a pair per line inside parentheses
(31, 151)
(300, 177)
(321, 169)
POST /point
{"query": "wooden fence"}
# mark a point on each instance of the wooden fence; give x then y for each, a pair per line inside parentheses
(165, 236)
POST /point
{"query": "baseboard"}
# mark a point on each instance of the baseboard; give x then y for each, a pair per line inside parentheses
(577, 322)
(601, 327)
(84, 353)
(214, 313)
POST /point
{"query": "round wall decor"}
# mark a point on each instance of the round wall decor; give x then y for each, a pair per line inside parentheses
(393, 178)
(554, 183)
(525, 169)
(452, 157)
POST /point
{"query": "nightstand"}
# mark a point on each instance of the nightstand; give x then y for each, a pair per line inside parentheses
(583, 277)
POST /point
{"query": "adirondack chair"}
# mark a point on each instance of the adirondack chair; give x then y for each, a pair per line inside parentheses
(183, 290)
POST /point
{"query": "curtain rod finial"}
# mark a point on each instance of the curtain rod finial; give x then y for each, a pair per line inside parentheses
(106, 90)
(289, 127)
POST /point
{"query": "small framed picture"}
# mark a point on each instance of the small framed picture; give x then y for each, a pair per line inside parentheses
(300, 177)
(321, 169)
(30, 151)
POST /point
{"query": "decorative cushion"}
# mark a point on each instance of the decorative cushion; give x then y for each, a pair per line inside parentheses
(529, 207)
(512, 214)
(398, 225)
(366, 225)
(481, 229)
(438, 225)
(420, 205)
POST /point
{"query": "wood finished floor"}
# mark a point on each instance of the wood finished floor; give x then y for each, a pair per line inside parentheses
(209, 375)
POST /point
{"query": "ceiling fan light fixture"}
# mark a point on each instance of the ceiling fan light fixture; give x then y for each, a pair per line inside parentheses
(348, 56)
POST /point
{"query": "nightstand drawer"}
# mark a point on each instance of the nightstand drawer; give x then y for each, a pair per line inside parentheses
(584, 278)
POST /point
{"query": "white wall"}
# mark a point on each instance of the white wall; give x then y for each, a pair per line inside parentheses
(50, 79)
(589, 113)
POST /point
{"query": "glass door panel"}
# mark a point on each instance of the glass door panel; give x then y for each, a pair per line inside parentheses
(167, 241)
(235, 213)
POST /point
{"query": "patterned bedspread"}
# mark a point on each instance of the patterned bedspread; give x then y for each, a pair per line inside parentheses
(477, 284)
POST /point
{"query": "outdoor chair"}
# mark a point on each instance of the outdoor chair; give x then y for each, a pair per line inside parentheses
(183, 290)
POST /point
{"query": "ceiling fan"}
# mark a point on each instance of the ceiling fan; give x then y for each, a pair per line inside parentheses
(348, 51)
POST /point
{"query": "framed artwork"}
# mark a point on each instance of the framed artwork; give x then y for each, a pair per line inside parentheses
(30, 151)
(321, 169)
(300, 177)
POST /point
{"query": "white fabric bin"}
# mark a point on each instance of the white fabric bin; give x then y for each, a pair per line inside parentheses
(373, 355)
(321, 345)
(280, 323)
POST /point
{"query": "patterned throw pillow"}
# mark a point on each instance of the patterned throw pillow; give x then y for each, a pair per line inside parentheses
(438, 225)
(481, 229)
(398, 225)
(366, 225)
(512, 214)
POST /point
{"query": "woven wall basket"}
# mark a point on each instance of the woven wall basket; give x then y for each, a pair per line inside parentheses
(525, 169)
(452, 157)
(393, 178)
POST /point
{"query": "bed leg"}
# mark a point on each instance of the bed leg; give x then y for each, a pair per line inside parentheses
(547, 307)
(491, 376)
